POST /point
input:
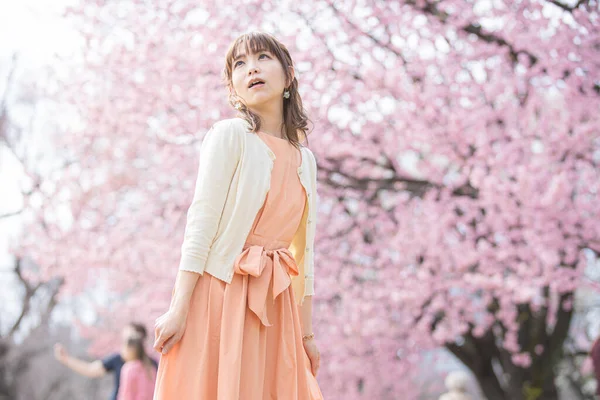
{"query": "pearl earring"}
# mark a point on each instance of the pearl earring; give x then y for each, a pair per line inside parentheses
(286, 94)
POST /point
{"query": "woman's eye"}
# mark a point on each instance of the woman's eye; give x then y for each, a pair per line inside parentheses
(238, 62)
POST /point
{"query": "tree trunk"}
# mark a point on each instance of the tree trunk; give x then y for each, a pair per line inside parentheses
(7, 388)
(510, 381)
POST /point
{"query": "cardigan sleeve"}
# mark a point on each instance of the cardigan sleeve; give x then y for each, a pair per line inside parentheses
(310, 277)
(219, 156)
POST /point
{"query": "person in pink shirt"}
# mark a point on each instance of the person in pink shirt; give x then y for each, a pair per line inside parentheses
(138, 375)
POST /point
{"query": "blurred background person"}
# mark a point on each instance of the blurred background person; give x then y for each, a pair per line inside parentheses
(112, 363)
(456, 383)
(138, 375)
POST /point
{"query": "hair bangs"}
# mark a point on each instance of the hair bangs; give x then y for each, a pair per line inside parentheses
(251, 43)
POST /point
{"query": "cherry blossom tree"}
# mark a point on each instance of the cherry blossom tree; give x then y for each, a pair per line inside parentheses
(27, 327)
(458, 148)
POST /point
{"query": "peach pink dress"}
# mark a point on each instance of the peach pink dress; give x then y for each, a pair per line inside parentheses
(243, 341)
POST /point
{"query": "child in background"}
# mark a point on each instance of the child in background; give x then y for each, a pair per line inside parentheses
(138, 375)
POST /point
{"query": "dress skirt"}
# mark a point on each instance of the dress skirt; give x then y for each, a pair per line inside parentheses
(243, 340)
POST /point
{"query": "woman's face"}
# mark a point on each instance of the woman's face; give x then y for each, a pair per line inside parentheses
(262, 66)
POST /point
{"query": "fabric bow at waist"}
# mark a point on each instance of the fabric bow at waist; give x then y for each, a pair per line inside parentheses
(265, 266)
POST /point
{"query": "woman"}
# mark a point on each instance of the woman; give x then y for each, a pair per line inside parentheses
(138, 375)
(239, 325)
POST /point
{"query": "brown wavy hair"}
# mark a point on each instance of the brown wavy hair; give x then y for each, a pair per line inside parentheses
(295, 120)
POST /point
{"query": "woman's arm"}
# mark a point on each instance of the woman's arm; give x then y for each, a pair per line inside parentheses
(94, 369)
(219, 157)
(184, 287)
(310, 346)
(306, 307)
(306, 315)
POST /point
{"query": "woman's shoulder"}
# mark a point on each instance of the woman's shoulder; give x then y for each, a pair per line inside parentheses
(231, 125)
(225, 133)
(309, 155)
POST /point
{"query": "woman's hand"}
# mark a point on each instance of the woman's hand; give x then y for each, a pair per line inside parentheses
(168, 330)
(313, 354)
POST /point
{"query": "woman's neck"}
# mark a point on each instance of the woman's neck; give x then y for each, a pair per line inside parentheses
(271, 124)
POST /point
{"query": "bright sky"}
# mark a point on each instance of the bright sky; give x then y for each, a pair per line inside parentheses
(33, 27)
(33, 31)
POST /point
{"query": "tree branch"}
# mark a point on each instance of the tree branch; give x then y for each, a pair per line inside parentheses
(4, 101)
(375, 40)
(477, 30)
(478, 355)
(29, 293)
(11, 214)
(567, 7)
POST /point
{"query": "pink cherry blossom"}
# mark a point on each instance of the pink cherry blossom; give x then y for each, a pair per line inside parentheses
(458, 153)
